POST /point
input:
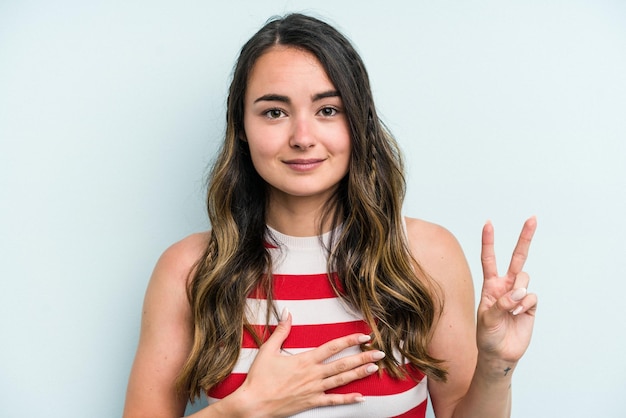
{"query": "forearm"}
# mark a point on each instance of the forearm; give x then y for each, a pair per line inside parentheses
(489, 394)
(230, 406)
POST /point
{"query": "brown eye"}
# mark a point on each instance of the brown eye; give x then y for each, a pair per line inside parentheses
(274, 113)
(328, 111)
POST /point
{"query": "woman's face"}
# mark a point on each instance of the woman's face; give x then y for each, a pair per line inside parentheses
(295, 125)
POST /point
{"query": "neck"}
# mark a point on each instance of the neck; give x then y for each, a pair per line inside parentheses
(298, 217)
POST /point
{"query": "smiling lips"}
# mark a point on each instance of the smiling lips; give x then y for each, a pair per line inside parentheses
(304, 164)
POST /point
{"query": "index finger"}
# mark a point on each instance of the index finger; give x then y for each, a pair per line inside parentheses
(520, 253)
(337, 345)
(488, 255)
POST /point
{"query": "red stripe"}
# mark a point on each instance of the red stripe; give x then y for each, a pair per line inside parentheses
(227, 386)
(300, 287)
(309, 336)
(373, 385)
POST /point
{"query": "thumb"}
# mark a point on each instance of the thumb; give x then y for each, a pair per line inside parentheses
(281, 332)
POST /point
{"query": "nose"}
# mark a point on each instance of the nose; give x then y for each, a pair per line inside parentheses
(302, 135)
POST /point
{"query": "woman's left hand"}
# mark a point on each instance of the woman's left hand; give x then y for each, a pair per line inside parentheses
(506, 312)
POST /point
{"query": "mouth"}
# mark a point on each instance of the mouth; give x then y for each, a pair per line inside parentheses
(302, 164)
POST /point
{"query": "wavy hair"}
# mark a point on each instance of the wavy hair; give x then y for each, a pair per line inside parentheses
(376, 272)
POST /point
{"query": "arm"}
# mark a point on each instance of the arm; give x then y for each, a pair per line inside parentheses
(166, 335)
(480, 359)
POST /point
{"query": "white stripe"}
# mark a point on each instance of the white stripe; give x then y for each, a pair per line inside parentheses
(373, 407)
(247, 356)
(298, 261)
(390, 405)
(303, 312)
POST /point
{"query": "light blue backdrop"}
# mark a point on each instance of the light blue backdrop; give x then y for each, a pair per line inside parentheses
(110, 113)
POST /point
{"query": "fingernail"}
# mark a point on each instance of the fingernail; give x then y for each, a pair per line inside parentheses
(517, 310)
(364, 338)
(284, 314)
(372, 368)
(518, 294)
(377, 355)
(360, 399)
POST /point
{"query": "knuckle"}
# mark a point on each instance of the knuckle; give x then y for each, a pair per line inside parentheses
(332, 401)
(341, 366)
(340, 380)
(503, 304)
(334, 347)
(522, 256)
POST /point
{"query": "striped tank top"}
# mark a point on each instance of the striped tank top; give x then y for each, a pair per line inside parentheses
(301, 284)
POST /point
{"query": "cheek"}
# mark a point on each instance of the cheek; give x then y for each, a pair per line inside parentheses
(346, 139)
(262, 153)
(343, 146)
(261, 145)
(258, 147)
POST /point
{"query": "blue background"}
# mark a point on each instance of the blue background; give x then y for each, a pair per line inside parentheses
(111, 112)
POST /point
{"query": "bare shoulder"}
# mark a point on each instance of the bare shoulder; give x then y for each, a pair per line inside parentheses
(179, 259)
(435, 248)
(167, 289)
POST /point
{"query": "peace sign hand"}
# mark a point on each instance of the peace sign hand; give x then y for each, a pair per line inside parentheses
(506, 312)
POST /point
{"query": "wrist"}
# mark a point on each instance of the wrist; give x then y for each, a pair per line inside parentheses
(494, 368)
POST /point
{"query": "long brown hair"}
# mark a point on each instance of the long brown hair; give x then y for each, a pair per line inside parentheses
(376, 271)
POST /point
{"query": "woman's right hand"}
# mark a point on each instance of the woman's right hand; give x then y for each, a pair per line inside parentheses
(280, 385)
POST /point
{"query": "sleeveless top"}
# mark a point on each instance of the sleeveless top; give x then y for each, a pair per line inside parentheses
(302, 285)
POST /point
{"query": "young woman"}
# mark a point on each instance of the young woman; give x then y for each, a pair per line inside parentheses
(312, 295)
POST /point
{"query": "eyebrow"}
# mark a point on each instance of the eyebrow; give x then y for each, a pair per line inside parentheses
(280, 98)
(273, 98)
(323, 95)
